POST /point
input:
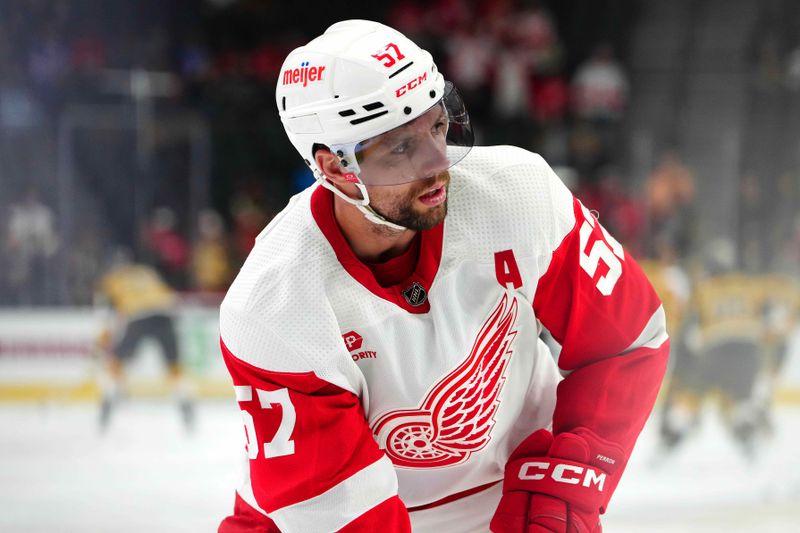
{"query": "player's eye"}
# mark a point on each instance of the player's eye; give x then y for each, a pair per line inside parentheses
(402, 148)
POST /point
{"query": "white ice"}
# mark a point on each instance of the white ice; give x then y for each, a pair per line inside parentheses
(707, 485)
(147, 474)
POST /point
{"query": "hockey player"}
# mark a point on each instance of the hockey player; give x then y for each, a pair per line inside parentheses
(673, 286)
(671, 282)
(727, 330)
(139, 305)
(781, 295)
(382, 336)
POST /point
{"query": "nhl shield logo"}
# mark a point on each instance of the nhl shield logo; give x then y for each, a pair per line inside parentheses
(415, 295)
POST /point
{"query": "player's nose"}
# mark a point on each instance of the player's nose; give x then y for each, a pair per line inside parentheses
(434, 158)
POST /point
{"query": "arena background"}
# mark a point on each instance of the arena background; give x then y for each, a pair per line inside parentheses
(151, 126)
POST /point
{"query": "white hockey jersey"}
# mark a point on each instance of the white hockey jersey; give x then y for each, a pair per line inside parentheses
(365, 405)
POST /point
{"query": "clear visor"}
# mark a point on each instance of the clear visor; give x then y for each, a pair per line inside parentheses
(426, 146)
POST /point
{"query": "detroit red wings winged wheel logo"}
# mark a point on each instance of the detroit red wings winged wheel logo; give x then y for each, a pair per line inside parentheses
(457, 415)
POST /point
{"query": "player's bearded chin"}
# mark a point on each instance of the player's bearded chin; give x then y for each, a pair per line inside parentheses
(405, 212)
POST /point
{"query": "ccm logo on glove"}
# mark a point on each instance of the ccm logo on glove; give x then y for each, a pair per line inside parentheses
(562, 473)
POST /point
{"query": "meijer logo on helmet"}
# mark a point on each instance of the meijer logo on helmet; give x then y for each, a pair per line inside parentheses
(303, 75)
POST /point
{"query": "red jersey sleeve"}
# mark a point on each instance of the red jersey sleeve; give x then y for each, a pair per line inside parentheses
(600, 307)
(313, 463)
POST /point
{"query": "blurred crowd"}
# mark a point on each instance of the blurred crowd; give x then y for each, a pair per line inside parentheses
(73, 191)
(550, 76)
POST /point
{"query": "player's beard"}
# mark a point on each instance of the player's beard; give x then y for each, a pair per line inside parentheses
(404, 211)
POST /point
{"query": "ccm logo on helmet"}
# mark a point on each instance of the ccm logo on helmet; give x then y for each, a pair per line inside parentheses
(413, 84)
(303, 75)
(562, 473)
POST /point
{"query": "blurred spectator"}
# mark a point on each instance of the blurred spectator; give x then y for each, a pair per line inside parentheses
(407, 17)
(790, 251)
(49, 58)
(668, 186)
(670, 195)
(18, 109)
(166, 248)
(769, 62)
(211, 266)
(511, 90)
(793, 69)
(88, 53)
(511, 82)
(619, 212)
(82, 263)
(248, 221)
(265, 61)
(753, 234)
(442, 17)
(49, 65)
(193, 61)
(534, 31)
(600, 87)
(471, 52)
(554, 143)
(550, 98)
(31, 242)
(783, 206)
(586, 150)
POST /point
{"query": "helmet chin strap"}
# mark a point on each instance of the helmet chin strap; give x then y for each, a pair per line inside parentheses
(374, 217)
(362, 205)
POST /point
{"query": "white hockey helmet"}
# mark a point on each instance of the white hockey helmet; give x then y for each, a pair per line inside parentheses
(358, 81)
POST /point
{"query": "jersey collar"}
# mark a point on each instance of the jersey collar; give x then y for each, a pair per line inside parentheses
(430, 255)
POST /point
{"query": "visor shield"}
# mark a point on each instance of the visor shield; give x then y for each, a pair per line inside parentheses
(426, 146)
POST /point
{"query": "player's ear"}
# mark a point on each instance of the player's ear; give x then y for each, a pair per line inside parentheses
(329, 164)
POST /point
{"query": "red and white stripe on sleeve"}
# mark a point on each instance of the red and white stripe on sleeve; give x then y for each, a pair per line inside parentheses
(313, 462)
(599, 305)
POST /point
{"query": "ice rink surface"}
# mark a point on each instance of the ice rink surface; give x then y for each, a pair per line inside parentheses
(147, 474)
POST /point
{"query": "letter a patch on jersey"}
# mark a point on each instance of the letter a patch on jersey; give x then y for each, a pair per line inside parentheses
(506, 270)
(457, 415)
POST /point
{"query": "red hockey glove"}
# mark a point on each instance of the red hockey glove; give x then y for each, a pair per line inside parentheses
(556, 485)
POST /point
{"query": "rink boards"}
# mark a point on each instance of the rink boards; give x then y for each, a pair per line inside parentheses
(52, 354)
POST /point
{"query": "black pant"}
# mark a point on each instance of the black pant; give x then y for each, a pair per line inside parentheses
(159, 327)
